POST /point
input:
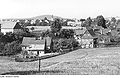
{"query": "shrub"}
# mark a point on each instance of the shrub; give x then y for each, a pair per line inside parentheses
(63, 44)
(12, 48)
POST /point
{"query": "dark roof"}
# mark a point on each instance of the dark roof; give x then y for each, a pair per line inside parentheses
(17, 26)
(89, 34)
(32, 40)
(92, 33)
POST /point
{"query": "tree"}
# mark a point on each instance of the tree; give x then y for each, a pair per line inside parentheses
(87, 22)
(56, 27)
(67, 33)
(113, 19)
(101, 21)
(63, 44)
(118, 21)
(37, 22)
(12, 48)
(82, 20)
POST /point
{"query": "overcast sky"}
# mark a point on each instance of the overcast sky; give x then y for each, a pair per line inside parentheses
(62, 8)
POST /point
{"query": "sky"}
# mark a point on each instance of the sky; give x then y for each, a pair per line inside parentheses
(63, 8)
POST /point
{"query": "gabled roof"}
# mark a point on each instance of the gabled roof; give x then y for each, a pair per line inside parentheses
(8, 25)
(32, 40)
(89, 34)
(17, 26)
(92, 33)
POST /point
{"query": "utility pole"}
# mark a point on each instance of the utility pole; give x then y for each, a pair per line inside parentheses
(39, 64)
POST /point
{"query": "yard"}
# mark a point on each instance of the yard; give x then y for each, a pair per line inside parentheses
(97, 61)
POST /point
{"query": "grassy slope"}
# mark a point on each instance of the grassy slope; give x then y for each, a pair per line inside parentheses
(80, 62)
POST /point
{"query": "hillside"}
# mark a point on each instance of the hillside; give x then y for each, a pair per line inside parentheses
(37, 17)
(97, 61)
(47, 16)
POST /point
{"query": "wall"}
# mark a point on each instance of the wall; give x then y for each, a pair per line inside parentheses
(6, 30)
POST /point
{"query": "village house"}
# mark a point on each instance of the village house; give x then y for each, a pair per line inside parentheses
(86, 38)
(10, 27)
(36, 46)
(71, 23)
(79, 33)
(17, 28)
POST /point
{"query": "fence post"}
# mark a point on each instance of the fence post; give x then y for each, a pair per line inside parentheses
(39, 64)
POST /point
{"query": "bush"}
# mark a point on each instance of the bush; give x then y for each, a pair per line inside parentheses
(12, 48)
(1, 46)
(63, 44)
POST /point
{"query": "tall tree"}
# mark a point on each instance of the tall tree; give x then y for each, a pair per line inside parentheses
(113, 19)
(56, 27)
(89, 21)
(67, 33)
(101, 21)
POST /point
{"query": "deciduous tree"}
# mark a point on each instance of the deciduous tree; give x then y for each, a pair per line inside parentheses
(101, 21)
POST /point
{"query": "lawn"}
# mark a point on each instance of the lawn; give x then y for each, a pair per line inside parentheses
(98, 61)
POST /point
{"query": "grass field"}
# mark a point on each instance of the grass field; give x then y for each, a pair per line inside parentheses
(98, 61)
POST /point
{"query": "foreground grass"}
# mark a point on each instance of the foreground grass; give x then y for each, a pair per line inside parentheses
(103, 61)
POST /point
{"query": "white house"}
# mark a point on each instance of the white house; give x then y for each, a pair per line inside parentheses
(35, 46)
(10, 27)
(85, 38)
(7, 27)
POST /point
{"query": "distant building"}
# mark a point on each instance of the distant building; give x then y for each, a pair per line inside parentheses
(71, 23)
(10, 27)
(43, 28)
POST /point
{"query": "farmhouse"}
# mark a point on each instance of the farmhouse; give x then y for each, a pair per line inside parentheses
(36, 46)
(78, 34)
(86, 38)
(10, 27)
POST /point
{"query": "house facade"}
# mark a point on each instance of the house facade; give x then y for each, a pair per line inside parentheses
(17, 28)
(10, 27)
(86, 39)
(35, 46)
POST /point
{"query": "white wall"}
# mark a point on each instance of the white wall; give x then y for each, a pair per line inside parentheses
(6, 30)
